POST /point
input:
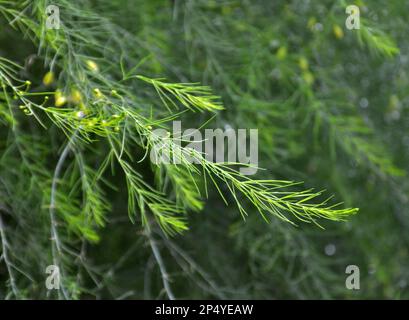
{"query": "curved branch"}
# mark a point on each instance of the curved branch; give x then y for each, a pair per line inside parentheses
(57, 246)
(9, 265)
(159, 260)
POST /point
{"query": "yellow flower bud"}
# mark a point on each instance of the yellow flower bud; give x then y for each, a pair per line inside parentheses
(308, 78)
(92, 65)
(311, 22)
(303, 63)
(98, 93)
(76, 96)
(338, 32)
(282, 53)
(60, 99)
(48, 78)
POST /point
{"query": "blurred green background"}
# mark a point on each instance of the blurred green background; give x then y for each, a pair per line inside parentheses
(331, 107)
